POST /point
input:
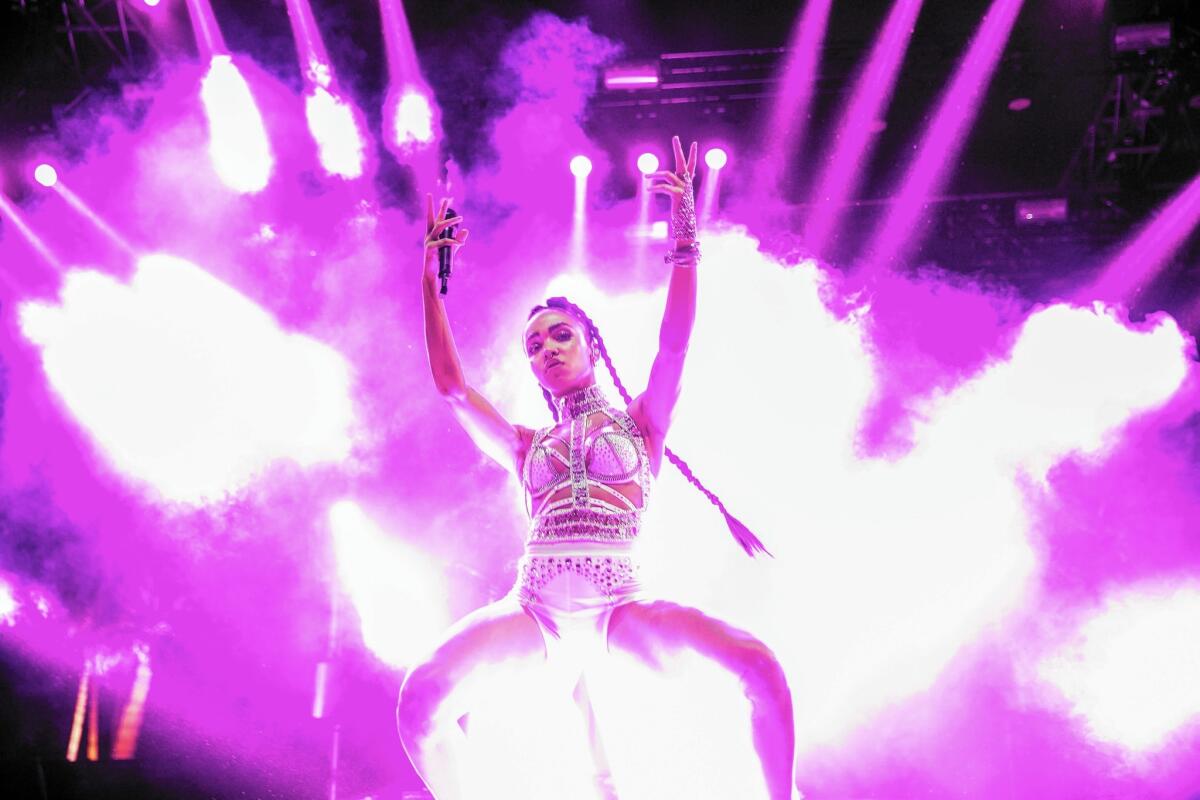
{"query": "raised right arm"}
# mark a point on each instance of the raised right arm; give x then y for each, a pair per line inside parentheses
(490, 431)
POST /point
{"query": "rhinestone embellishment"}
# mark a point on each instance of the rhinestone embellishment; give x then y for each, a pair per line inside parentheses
(606, 573)
(581, 402)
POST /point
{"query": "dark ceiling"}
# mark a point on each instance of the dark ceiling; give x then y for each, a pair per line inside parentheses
(1058, 56)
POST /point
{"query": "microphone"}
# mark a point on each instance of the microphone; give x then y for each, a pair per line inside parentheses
(444, 253)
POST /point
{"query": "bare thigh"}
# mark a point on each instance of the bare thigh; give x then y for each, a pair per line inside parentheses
(445, 685)
(650, 630)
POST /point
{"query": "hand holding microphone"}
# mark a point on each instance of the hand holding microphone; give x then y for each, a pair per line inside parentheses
(442, 233)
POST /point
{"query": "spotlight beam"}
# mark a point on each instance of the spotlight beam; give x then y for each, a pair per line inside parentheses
(209, 40)
(646, 164)
(852, 147)
(1141, 259)
(10, 213)
(77, 203)
(333, 123)
(943, 139)
(581, 168)
(403, 67)
(715, 161)
(310, 47)
(238, 145)
(789, 116)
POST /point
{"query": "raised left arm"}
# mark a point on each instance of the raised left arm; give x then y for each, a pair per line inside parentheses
(662, 390)
(657, 403)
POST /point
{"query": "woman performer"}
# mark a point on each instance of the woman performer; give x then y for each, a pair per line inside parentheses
(586, 479)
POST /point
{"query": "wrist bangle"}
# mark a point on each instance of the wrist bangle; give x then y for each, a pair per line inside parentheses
(686, 256)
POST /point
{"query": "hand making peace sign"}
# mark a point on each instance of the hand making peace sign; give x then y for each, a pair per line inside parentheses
(678, 183)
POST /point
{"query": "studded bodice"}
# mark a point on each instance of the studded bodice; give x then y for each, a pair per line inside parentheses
(590, 486)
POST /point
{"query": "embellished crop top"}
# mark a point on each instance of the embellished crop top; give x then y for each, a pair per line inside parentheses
(592, 486)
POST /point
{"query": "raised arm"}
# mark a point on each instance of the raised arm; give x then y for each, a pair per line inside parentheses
(656, 404)
(490, 431)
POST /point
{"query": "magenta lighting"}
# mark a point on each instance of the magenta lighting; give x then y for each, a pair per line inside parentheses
(1034, 212)
(943, 139)
(581, 166)
(631, 76)
(209, 40)
(310, 48)
(397, 36)
(716, 158)
(238, 145)
(46, 175)
(151, 3)
(1139, 260)
(410, 118)
(851, 149)
(86, 211)
(647, 163)
(331, 120)
(10, 213)
(785, 130)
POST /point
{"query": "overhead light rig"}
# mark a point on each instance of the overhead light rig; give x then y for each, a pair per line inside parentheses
(1146, 133)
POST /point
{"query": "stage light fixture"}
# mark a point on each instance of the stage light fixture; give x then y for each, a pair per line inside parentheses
(46, 175)
(1143, 37)
(1041, 210)
(631, 76)
(647, 163)
(151, 3)
(581, 166)
(716, 158)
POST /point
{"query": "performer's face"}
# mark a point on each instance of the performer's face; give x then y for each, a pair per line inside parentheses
(558, 351)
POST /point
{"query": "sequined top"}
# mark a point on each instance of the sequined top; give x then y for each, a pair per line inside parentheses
(592, 486)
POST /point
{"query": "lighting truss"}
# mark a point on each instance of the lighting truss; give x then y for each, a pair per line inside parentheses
(1146, 130)
(105, 31)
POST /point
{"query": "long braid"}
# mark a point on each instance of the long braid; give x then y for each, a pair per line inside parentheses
(550, 402)
(743, 535)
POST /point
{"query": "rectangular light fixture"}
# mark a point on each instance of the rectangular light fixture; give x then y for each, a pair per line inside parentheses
(1042, 210)
(631, 76)
(1142, 37)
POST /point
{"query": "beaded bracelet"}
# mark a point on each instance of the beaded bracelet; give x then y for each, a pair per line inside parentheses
(686, 256)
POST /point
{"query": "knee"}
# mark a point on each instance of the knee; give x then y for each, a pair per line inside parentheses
(421, 694)
(762, 675)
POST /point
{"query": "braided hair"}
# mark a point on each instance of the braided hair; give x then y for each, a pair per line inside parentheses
(744, 537)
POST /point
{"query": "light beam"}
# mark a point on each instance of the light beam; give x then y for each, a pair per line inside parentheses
(410, 115)
(84, 210)
(1141, 259)
(332, 121)
(13, 215)
(715, 159)
(209, 40)
(789, 115)
(238, 142)
(581, 167)
(851, 148)
(943, 139)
